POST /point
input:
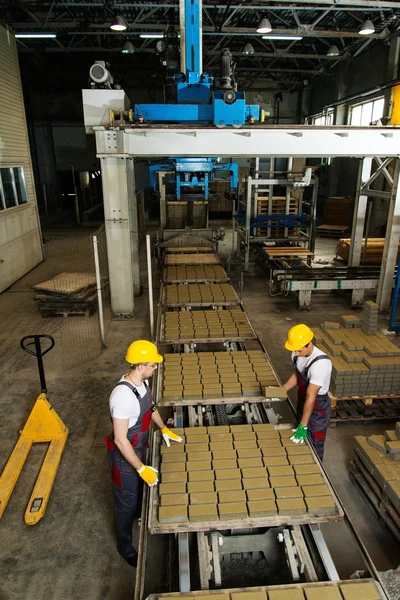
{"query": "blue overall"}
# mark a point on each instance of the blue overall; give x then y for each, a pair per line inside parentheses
(319, 420)
(127, 484)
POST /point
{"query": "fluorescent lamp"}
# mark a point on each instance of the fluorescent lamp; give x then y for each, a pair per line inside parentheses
(333, 51)
(118, 24)
(35, 35)
(128, 48)
(264, 26)
(151, 36)
(282, 37)
(367, 28)
(248, 49)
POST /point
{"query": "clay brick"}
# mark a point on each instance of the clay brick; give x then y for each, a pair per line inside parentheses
(227, 474)
(280, 471)
(172, 488)
(311, 469)
(196, 447)
(359, 591)
(203, 498)
(327, 592)
(274, 451)
(232, 510)
(297, 449)
(249, 453)
(196, 456)
(286, 594)
(255, 483)
(232, 496)
(203, 512)
(173, 499)
(250, 462)
(245, 444)
(172, 467)
(263, 494)
(310, 480)
(177, 477)
(259, 472)
(206, 597)
(292, 506)
(221, 446)
(285, 433)
(218, 429)
(264, 427)
(267, 434)
(316, 490)
(275, 461)
(173, 449)
(223, 485)
(223, 454)
(285, 481)
(198, 465)
(174, 457)
(172, 514)
(224, 463)
(262, 508)
(201, 475)
(200, 486)
(220, 437)
(321, 505)
(301, 459)
(288, 492)
(275, 392)
(243, 436)
(248, 595)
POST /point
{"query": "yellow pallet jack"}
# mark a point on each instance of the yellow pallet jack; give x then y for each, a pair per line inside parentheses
(43, 425)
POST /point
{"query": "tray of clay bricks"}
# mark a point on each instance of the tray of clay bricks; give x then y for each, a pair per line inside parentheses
(204, 258)
(355, 589)
(216, 378)
(229, 477)
(194, 273)
(218, 325)
(377, 464)
(199, 294)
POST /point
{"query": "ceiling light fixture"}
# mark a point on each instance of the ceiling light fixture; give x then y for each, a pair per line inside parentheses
(248, 49)
(35, 35)
(118, 24)
(151, 36)
(367, 28)
(128, 48)
(333, 51)
(282, 37)
(264, 26)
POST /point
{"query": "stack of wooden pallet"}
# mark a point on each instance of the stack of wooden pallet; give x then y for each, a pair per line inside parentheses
(278, 207)
(339, 210)
(373, 254)
(67, 294)
(217, 201)
(376, 470)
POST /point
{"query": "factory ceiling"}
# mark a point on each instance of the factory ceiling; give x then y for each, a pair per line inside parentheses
(83, 35)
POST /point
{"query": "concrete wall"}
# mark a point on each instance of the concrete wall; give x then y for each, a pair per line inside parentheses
(20, 237)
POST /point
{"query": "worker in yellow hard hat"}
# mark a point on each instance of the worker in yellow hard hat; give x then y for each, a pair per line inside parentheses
(312, 375)
(132, 410)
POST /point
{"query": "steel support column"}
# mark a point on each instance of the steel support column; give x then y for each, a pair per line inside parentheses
(248, 219)
(360, 208)
(390, 250)
(119, 206)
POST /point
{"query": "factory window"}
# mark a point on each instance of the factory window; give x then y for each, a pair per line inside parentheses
(12, 187)
(323, 118)
(367, 113)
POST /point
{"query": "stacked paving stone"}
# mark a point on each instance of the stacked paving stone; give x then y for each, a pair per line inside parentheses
(363, 364)
(380, 455)
(220, 324)
(200, 293)
(190, 273)
(193, 376)
(370, 318)
(221, 473)
(361, 589)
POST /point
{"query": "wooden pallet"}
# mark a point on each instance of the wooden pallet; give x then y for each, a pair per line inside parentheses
(375, 496)
(290, 252)
(66, 313)
(192, 259)
(333, 231)
(365, 408)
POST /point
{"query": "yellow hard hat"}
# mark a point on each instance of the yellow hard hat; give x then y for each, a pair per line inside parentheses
(298, 337)
(142, 351)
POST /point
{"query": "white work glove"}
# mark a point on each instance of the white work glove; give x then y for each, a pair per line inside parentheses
(170, 435)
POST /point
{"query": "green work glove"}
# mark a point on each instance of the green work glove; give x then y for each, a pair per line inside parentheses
(300, 434)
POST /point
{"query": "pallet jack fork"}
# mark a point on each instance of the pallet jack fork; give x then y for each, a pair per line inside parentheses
(43, 425)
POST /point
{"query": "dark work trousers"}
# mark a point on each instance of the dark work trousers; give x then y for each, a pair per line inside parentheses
(319, 420)
(127, 484)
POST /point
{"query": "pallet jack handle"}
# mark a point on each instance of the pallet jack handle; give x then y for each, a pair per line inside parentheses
(38, 352)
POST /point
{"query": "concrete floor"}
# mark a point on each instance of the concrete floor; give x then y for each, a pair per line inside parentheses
(71, 552)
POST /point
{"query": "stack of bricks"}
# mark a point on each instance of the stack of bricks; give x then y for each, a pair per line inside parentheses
(208, 375)
(362, 364)
(370, 318)
(191, 273)
(244, 472)
(200, 293)
(217, 324)
(380, 456)
(356, 589)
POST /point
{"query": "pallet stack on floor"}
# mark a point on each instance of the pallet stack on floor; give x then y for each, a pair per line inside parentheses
(376, 470)
(278, 207)
(66, 295)
(365, 366)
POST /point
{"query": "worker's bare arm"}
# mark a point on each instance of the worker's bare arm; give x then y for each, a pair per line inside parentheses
(291, 382)
(311, 397)
(120, 427)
